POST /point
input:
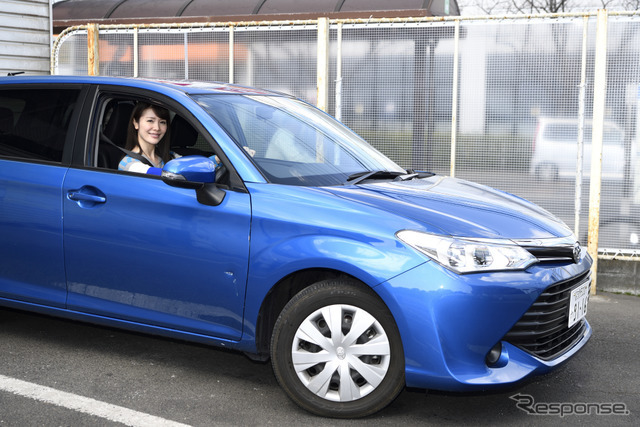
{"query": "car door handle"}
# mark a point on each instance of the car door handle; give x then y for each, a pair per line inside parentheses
(87, 196)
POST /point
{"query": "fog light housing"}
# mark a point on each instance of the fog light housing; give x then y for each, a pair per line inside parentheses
(498, 356)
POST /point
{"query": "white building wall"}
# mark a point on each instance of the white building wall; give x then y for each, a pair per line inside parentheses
(25, 36)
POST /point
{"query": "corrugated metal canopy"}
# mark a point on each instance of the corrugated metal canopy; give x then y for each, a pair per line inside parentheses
(78, 12)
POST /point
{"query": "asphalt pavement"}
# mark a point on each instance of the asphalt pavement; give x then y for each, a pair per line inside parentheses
(63, 373)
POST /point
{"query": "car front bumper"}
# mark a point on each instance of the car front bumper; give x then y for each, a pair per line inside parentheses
(449, 323)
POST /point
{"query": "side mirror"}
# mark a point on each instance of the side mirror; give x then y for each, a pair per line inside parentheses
(195, 172)
(189, 172)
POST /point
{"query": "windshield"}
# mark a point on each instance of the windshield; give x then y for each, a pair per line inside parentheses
(294, 143)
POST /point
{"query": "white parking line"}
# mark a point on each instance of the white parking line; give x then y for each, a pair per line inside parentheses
(83, 404)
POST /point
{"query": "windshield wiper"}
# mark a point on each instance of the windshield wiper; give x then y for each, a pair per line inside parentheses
(358, 177)
(412, 174)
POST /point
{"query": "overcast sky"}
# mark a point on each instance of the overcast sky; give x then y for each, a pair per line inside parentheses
(468, 7)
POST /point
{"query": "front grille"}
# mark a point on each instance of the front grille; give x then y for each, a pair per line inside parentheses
(565, 253)
(542, 330)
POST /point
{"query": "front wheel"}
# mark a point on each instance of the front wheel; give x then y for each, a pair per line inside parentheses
(336, 350)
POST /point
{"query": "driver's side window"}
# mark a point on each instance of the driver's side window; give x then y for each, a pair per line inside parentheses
(115, 118)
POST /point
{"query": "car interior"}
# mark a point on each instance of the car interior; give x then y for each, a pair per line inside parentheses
(185, 140)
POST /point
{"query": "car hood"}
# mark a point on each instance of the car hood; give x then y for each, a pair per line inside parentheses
(455, 207)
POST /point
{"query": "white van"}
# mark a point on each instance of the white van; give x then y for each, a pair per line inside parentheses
(555, 150)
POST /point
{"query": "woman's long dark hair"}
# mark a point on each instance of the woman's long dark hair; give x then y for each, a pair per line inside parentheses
(162, 149)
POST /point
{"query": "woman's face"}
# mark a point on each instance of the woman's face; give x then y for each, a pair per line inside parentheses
(150, 127)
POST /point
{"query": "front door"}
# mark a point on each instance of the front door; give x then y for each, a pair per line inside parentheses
(139, 250)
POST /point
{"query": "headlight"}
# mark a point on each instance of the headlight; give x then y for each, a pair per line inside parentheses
(464, 255)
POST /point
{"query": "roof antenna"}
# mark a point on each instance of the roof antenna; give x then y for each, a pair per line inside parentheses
(15, 73)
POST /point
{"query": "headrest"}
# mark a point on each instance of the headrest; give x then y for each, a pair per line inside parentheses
(6, 120)
(116, 128)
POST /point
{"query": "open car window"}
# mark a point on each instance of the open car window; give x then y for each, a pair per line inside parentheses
(114, 117)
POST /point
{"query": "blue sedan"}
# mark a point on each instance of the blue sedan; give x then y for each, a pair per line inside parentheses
(276, 231)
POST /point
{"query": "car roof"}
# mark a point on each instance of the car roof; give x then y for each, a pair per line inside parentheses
(186, 86)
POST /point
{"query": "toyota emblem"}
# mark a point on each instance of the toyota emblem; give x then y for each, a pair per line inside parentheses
(576, 253)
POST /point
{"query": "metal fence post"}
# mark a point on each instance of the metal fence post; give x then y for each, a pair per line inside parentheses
(231, 54)
(454, 99)
(323, 64)
(338, 114)
(93, 51)
(136, 69)
(186, 56)
(581, 102)
(599, 95)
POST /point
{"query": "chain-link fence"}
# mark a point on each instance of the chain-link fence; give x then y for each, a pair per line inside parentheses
(518, 90)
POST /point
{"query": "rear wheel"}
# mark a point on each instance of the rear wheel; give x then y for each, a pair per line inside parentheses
(336, 350)
(547, 172)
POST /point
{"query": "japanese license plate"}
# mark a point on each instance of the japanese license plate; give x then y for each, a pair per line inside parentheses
(578, 303)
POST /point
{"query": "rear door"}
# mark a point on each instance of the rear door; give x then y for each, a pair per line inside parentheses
(139, 250)
(37, 125)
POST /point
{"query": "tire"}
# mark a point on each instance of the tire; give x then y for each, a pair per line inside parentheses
(321, 364)
(547, 172)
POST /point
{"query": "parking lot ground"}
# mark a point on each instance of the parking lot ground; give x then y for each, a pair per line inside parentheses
(172, 381)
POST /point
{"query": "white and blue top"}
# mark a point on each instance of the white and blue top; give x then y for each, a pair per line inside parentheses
(131, 164)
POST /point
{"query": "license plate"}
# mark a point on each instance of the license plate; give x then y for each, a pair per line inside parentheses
(578, 303)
